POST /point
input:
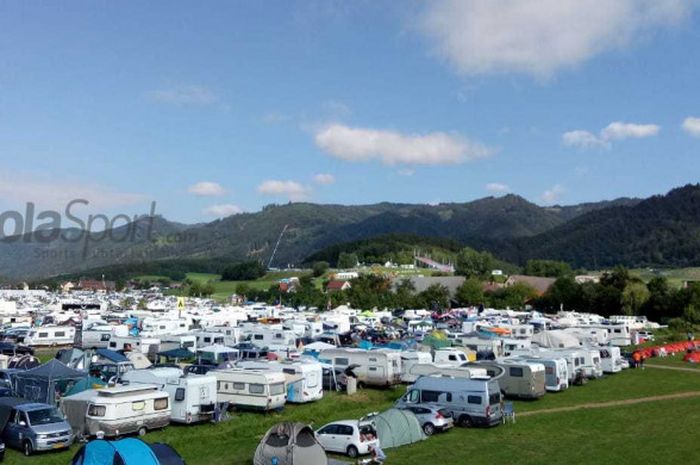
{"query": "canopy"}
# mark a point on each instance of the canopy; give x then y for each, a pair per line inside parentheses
(166, 455)
(111, 355)
(397, 428)
(290, 444)
(43, 383)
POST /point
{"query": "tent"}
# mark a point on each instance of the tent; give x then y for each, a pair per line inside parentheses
(556, 339)
(43, 383)
(166, 455)
(397, 428)
(111, 356)
(74, 358)
(90, 382)
(290, 444)
(129, 451)
(179, 353)
(23, 362)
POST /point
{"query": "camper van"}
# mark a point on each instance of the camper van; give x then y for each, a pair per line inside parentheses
(50, 336)
(417, 370)
(611, 359)
(192, 397)
(556, 371)
(472, 402)
(373, 367)
(518, 379)
(116, 411)
(304, 378)
(251, 389)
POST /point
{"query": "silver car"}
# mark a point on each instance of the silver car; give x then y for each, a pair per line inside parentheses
(432, 418)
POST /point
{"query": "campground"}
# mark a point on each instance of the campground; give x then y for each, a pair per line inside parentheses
(651, 430)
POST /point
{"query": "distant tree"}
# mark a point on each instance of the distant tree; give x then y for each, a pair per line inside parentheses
(547, 268)
(471, 292)
(435, 297)
(243, 289)
(564, 292)
(618, 278)
(634, 296)
(246, 271)
(473, 263)
(404, 294)
(514, 296)
(347, 260)
(319, 268)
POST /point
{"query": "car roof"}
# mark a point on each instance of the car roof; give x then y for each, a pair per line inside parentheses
(344, 423)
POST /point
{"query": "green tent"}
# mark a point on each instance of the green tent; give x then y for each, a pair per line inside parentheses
(397, 428)
(84, 384)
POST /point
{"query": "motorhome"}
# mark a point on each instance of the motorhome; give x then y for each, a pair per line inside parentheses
(304, 378)
(116, 411)
(556, 371)
(578, 360)
(192, 397)
(451, 357)
(372, 367)
(619, 334)
(472, 402)
(50, 336)
(417, 370)
(517, 379)
(611, 359)
(251, 389)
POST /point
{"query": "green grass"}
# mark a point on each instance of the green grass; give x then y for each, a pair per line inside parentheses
(673, 361)
(151, 277)
(658, 432)
(675, 276)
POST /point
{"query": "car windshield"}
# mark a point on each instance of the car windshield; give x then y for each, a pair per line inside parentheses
(44, 416)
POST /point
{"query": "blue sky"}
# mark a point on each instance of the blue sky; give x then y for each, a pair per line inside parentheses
(221, 107)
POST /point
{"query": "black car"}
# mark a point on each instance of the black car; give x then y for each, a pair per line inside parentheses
(10, 348)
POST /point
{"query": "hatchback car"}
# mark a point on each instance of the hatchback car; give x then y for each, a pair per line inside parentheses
(350, 437)
(432, 418)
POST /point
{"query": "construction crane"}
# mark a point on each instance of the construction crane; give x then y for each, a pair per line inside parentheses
(274, 251)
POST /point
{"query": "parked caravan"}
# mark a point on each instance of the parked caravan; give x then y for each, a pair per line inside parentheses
(472, 402)
(452, 357)
(619, 334)
(371, 367)
(480, 344)
(145, 345)
(232, 335)
(511, 346)
(556, 371)
(208, 338)
(410, 358)
(159, 327)
(435, 369)
(578, 360)
(304, 378)
(192, 397)
(181, 341)
(611, 359)
(251, 389)
(50, 336)
(118, 410)
(272, 339)
(98, 336)
(518, 379)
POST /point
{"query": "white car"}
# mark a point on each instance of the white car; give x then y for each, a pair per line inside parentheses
(350, 437)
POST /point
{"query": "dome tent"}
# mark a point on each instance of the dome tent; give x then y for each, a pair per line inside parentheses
(290, 444)
(397, 428)
(129, 451)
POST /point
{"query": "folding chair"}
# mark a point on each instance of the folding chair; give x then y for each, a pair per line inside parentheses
(508, 412)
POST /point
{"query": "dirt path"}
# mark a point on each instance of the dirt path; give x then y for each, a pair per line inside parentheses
(641, 400)
(666, 367)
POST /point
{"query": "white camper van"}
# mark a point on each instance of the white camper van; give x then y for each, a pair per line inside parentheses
(372, 367)
(192, 397)
(304, 378)
(556, 371)
(611, 359)
(50, 336)
(116, 411)
(251, 389)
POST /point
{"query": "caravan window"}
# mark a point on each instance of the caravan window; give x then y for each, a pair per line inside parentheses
(342, 361)
(289, 371)
(104, 337)
(276, 389)
(138, 406)
(474, 400)
(258, 337)
(238, 386)
(60, 334)
(160, 404)
(516, 371)
(43, 334)
(256, 388)
(97, 410)
(179, 394)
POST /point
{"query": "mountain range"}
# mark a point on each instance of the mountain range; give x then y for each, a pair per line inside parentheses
(662, 230)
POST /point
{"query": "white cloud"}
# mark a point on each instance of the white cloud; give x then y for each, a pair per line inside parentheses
(540, 37)
(391, 148)
(691, 125)
(324, 179)
(583, 139)
(554, 194)
(206, 189)
(290, 189)
(183, 95)
(620, 130)
(497, 187)
(617, 130)
(406, 172)
(223, 210)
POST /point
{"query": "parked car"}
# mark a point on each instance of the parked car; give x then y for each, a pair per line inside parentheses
(33, 426)
(10, 348)
(350, 437)
(432, 418)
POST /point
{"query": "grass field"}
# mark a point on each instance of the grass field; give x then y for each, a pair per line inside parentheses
(673, 361)
(661, 431)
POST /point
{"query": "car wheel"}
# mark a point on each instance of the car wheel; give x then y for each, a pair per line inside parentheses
(352, 452)
(142, 431)
(465, 421)
(428, 429)
(27, 448)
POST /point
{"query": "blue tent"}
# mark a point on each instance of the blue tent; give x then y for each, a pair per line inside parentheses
(41, 384)
(111, 355)
(129, 451)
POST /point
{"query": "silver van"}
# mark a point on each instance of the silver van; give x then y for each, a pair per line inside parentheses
(471, 402)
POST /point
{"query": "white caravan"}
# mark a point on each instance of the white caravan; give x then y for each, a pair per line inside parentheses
(182, 341)
(273, 340)
(556, 371)
(208, 338)
(451, 357)
(373, 367)
(50, 336)
(158, 327)
(116, 411)
(145, 345)
(434, 369)
(304, 380)
(251, 389)
(97, 336)
(410, 358)
(611, 359)
(192, 397)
